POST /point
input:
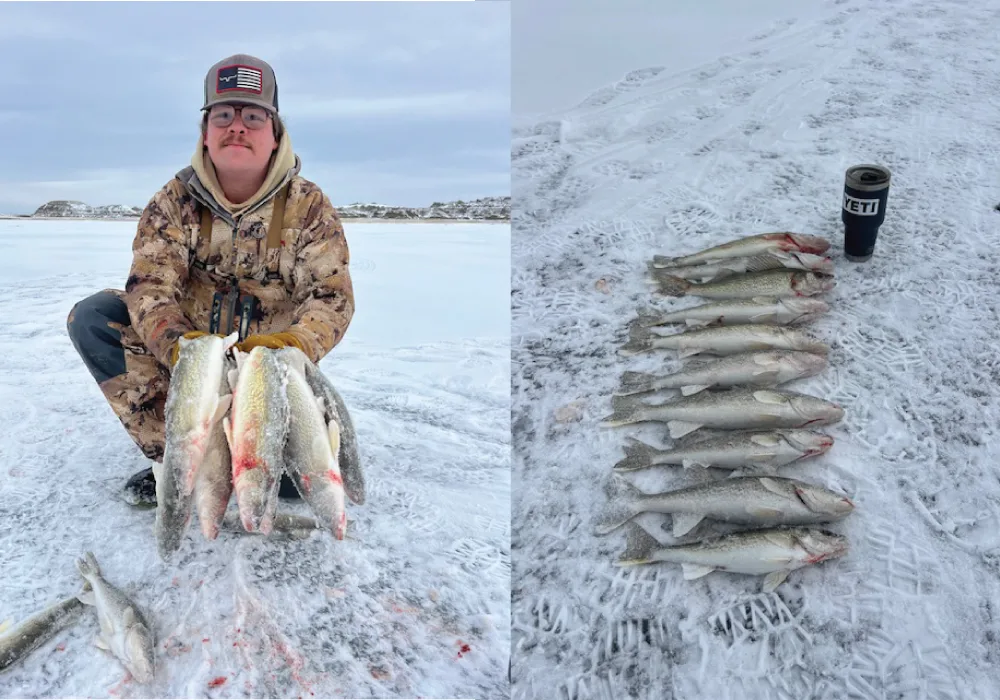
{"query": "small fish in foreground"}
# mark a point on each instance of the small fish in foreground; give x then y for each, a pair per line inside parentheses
(772, 283)
(723, 340)
(774, 553)
(736, 409)
(19, 642)
(759, 501)
(720, 269)
(752, 245)
(124, 631)
(762, 369)
(762, 450)
(760, 310)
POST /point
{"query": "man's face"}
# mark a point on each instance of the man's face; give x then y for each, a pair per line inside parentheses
(238, 148)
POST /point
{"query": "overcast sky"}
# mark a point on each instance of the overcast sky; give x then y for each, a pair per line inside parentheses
(563, 50)
(397, 103)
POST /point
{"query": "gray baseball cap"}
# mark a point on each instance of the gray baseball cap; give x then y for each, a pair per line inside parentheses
(241, 79)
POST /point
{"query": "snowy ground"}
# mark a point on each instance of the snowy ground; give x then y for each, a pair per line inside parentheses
(416, 601)
(671, 163)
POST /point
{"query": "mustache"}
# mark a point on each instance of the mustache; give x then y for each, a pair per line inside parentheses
(238, 141)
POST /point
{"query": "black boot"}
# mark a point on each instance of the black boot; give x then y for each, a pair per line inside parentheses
(140, 489)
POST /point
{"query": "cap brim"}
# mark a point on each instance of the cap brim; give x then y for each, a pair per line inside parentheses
(242, 100)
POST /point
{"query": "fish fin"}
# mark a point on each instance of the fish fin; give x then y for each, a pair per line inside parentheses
(5, 625)
(619, 508)
(87, 565)
(639, 547)
(636, 345)
(101, 643)
(688, 352)
(698, 323)
(760, 512)
(227, 428)
(766, 375)
(685, 523)
(661, 261)
(671, 286)
(638, 455)
(762, 317)
(87, 597)
(693, 464)
(772, 486)
(765, 440)
(626, 410)
(232, 377)
(693, 571)
(636, 383)
(646, 318)
(764, 468)
(222, 407)
(771, 397)
(333, 431)
(774, 579)
(693, 389)
(128, 617)
(680, 428)
(230, 340)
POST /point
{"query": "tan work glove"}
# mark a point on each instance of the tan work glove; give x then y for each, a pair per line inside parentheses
(275, 341)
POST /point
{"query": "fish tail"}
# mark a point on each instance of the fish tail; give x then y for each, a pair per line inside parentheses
(638, 455)
(619, 509)
(626, 410)
(672, 286)
(639, 547)
(636, 383)
(661, 261)
(636, 344)
(87, 566)
(647, 318)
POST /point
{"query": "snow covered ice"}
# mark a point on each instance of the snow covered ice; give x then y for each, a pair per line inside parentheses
(671, 162)
(414, 603)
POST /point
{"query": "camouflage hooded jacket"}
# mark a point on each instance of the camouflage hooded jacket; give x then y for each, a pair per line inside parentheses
(303, 287)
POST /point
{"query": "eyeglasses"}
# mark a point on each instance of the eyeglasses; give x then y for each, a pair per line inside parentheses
(223, 115)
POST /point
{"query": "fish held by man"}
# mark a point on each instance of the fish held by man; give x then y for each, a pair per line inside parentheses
(773, 553)
(195, 405)
(758, 501)
(762, 451)
(752, 245)
(214, 480)
(735, 409)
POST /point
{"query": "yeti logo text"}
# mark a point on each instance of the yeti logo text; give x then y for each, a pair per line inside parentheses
(861, 207)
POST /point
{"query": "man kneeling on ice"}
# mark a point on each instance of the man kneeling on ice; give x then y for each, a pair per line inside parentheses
(236, 241)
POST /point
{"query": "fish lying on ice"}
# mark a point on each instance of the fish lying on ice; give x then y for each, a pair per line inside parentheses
(762, 369)
(720, 269)
(125, 633)
(771, 283)
(256, 431)
(723, 340)
(752, 245)
(760, 310)
(759, 501)
(735, 409)
(762, 450)
(313, 448)
(774, 553)
(32, 633)
(195, 404)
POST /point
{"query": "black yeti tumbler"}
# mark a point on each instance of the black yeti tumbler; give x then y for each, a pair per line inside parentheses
(866, 189)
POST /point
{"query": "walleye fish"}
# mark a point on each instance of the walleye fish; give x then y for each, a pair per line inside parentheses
(775, 553)
(752, 245)
(736, 409)
(763, 310)
(256, 430)
(312, 449)
(334, 410)
(125, 633)
(720, 269)
(760, 501)
(196, 401)
(723, 340)
(763, 450)
(764, 369)
(771, 283)
(214, 481)
(17, 643)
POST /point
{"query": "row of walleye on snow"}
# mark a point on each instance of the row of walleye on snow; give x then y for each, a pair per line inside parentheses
(761, 286)
(233, 426)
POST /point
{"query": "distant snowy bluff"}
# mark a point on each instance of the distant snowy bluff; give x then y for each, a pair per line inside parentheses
(484, 208)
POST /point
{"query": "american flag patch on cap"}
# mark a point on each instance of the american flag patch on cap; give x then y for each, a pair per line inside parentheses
(242, 78)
